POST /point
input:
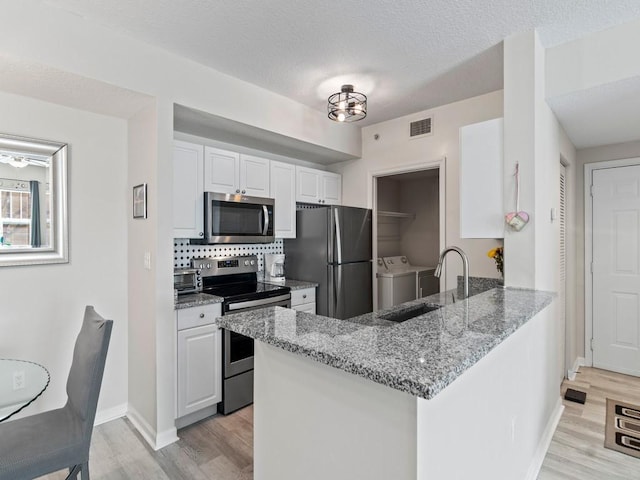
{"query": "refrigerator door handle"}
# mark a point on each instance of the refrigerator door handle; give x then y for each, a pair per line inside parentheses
(337, 294)
(266, 220)
(338, 236)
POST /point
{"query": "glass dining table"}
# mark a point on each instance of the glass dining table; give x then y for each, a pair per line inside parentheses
(21, 382)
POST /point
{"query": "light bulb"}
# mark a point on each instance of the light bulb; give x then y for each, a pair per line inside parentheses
(341, 117)
(342, 105)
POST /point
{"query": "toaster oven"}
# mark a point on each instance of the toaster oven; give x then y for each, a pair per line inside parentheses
(187, 280)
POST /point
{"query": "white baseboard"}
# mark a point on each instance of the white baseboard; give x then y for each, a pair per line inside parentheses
(155, 440)
(165, 438)
(545, 441)
(579, 362)
(146, 430)
(108, 414)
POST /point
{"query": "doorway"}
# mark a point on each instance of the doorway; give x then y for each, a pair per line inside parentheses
(612, 265)
(408, 225)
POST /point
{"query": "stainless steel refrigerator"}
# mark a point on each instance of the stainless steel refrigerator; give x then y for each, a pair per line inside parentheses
(333, 248)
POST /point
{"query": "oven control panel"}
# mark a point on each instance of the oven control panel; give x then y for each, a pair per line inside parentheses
(215, 266)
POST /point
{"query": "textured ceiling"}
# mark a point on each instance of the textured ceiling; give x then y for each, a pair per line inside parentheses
(405, 56)
(603, 115)
(46, 83)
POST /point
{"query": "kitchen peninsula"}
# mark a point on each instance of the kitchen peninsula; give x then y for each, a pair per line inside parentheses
(463, 391)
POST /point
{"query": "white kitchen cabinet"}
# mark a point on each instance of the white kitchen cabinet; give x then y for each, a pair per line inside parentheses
(481, 179)
(304, 300)
(254, 176)
(230, 172)
(318, 186)
(188, 200)
(199, 349)
(283, 191)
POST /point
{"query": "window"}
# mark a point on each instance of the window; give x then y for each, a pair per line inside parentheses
(15, 218)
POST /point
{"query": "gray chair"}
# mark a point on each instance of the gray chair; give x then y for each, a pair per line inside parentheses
(60, 439)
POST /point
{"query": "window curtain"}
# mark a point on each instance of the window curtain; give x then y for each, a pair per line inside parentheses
(36, 233)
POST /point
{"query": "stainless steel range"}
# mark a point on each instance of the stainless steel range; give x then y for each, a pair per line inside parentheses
(235, 279)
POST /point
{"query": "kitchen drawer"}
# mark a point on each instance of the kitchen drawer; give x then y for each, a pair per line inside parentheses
(197, 316)
(305, 307)
(300, 297)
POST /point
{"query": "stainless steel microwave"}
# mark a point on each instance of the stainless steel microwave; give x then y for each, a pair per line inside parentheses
(237, 219)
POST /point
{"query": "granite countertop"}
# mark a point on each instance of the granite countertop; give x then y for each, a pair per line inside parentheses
(294, 284)
(420, 356)
(195, 299)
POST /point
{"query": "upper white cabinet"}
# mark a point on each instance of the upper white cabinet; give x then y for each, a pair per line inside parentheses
(318, 186)
(283, 190)
(188, 200)
(254, 176)
(230, 172)
(481, 177)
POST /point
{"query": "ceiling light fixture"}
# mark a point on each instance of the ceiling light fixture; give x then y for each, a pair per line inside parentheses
(18, 162)
(347, 105)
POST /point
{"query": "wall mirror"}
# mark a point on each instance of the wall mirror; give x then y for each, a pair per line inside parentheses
(33, 201)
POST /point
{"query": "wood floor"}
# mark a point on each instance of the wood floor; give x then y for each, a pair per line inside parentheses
(221, 448)
(577, 449)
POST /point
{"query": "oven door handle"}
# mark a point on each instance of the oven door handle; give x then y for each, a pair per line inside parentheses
(265, 211)
(257, 303)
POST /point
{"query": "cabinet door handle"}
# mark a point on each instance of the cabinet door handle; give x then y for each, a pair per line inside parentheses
(304, 296)
(244, 191)
(238, 190)
(201, 234)
(202, 315)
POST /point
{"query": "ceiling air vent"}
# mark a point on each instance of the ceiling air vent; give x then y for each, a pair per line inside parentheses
(420, 128)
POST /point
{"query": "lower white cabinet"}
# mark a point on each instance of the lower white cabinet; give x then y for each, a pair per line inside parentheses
(199, 382)
(304, 300)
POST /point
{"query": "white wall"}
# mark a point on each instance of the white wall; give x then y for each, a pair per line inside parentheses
(394, 149)
(91, 50)
(590, 61)
(533, 138)
(85, 49)
(584, 157)
(499, 415)
(42, 306)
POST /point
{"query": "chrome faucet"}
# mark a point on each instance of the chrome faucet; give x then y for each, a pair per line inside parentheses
(465, 266)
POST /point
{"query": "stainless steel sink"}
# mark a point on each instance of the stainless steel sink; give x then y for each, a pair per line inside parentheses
(410, 312)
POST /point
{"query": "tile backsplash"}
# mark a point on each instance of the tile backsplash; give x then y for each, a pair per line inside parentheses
(184, 251)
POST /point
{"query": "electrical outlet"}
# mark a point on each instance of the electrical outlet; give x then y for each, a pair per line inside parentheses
(147, 260)
(18, 380)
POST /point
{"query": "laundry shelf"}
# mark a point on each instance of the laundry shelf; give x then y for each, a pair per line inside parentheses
(399, 215)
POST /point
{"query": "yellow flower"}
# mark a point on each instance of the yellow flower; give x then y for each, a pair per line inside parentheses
(492, 253)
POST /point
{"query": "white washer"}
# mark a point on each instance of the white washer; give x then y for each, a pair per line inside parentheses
(399, 281)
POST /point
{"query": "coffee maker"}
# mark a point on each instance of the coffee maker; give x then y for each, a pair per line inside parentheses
(274, 267)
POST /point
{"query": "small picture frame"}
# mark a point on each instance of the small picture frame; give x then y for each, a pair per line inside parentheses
(140, 201)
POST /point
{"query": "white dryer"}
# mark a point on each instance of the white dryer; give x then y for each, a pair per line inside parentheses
(399, 281)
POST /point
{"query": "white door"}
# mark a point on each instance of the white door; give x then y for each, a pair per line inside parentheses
(616, 269)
